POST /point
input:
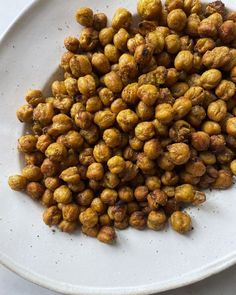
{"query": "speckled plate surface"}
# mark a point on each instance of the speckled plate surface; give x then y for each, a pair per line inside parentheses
(141, 262)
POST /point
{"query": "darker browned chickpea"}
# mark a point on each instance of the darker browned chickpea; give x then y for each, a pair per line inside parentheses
(52, 216)
(126, 194)
(156, 220)
(99, 21)
(88, 218)
(85, 197)
(157, 198)
(152, 149)
(231, 126)
(67, 226)
(143, 55)
(106, 235)
(95, 171)
(196, 115)
(153, 183)
(140, 193)
(179, 153)
(88, 39)
(180, 222)
(224, 180)
(70, 212)
(71, 43)
(138, 220)
(35, 190)
(90, 135)
(200, 140)
(129, 94)
(227, 32)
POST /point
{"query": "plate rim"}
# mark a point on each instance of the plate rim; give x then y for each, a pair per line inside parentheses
(188, 279)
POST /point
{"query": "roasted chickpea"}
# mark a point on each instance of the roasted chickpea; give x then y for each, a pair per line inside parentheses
(127, 119)
(217, 110)
(85, 197)
(35, 190)
(180, 222)
(211, 128)
(181, 107)
(71, 43)
(200, 140)
(17, 182)
(143, 55)
(184, 61)
(25, 113)
(134, 42)
(172, 43)
(27, 143)
(70, 212)
(164, 113)
(113, 82)
(223, 180)
(109, 196)
(34, 97)
(62, 195)
(106, 36)
(80, 65)
(233, 167)
(165, 162)
(101, 63)
(95, 171)
(52, 183)
(112, 137)
(52, 216)
(231, 126)
(84, 16)
(152, 149)
(156, 220)
(99, 21)
(106, 235)
(144, 131)
(211, 78)
(121, 19)
(32, 173)
(112, 53)
(179, 153)
(149, 9)
(225, 90)
(120, 39)
(176, 19)
(153, 183)
(101, 152)
(138, 220)
(104, 119)
(67, 226)
(89, 217)
(88, 39)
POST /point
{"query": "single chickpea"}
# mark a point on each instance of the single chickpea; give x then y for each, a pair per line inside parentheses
(231, 126)
(90, 231)
(88, 39)
(225, 90)
(71, 43)
(233, 167)
(106, 36)
(152, 149)
(95, 171)
(109, 196)
(164, 113)
(86, 157)
(180, 222)
(94, 104)
(217, 110)
(61, 124)
(144, 163)
(112, 137)
(17, 182)
(116, 164)
(118, 105)
(32, 173)
(156, 220)
(184, 193)
(208, 158)
(85, 197)
(127, 119)
(101, 152)
(217, 57)
(126, 194)
(98, 206)
(148, 94)
(99, 21)
(89, 217)
(117, 212)
(76, 107)
(67, 226)
(224, 180)
(47, 198)
(138, 220)
(144, 111)
(140, 193)
(179, 89)
(84, 16)
(200, 140)
(157, 198)
(136, 144)
(144, 131)
(155, 40)
(196, 115)
(121, 19)
(120, 39)
(106, 235)
(65, 61)
(184, 61)
(165, 163)
(110, 180)
(87, 85)
(104, 119)
(49, 168)
(134, 42)
(83, 120)
(101, 63)
(52, 183)
(35, 190)
(25, 113)
(193, 23)
(153, 183)
(196, 94)
(73, 140)
(204, 44)
(43, 142)
(35, 158)
(56, 152)
(52, 216)
(172, 43)
(113, 82)
(71, 86)
(112, 53)
(80, 65)
(27, 143)
(211, 128)
(62, 195)
(143, 55)
(217, 143)
(179, 153)
(210, 79)
(181, 107)
(90, 135)
(149, 9)
(70, 175)
(129, 94)
(176, 20)
(70, 212)
(34, 97)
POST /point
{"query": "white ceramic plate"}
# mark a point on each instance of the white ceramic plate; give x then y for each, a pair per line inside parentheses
(141, 262)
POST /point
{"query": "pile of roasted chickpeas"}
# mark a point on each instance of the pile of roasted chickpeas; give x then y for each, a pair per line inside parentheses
(144, 119)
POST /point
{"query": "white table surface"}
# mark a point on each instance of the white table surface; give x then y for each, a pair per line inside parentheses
(10, 284)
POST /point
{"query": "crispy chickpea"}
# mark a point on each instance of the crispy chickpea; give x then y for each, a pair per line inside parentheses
(35, 190)
(90, 135)
(90, 231)
(106, 36)
(73, 140)
(80, 65)
(94, 104)
(127, 119)
(200, 140)
(49, 168)
(61, 124)
(101, 152)
(173, 4)
(181, 107)
(85, 197)
(121, 19)
(211, 128)
(153, 183)
(52, 216)
(196, 115)
(196, 94)
(179, 153)
(106, 235)
(35, 158)
(47, 198)
(101, 63)
(126, 194)
(112, 53)
(110, 180)
(155, 40)
(156, 220)
(83, 119)
(225, 90)
(89, 217)
(233, 167)
(34, 97)
(113, 82)
(52, 183)
(172, 43)
(27, 143)
(62, 195)
(149, 9)
(17, 182)
(84, 16)
(43, 142)
(120, 39)
(95, 171)
(143, 55)
(217, 110)
(134, 42)
(165, 162)
(184, 193)
(152, 149)
(88, 39)
(144, 163)
(56, 152)
(129, 94)
(231, 126)
(176, 19)
(70, 212)
(184, 61)
(67, 226)
(71, 43)
(112, 137)
(99, 21)
(180, 222)
(204, 44)
(140, 193)
(116, 164)
(164, 113)
(179, 89)
(104, 119)
(109, 196)
(87, 85)
(157, 198)
(32, 173)
(193, 23)
(148, 94)
(136, 144)
(98, 206)
(211, 78)
(144, 111)
(224, 180)
(138, 220)
(70, 175)
(25, 113)
(144, 131)
(217, 57)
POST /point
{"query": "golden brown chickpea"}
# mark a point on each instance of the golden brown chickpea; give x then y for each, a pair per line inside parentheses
(49, 168)
(70, 212)
(174, 4)
(35, 190)
(43, 142)
(200, 140)
(70, 175)
(143, 55)
(211, 78)
(156, 220)
(177, 20)
(121, 19)
(61, 124)
(27, 143)
(196, 94)
(52, 216)
(153, 183)
(127, 119)
(32, 173)
(164, 113)
(165, 163)
(62, 195)
(116, 164)
(138, 220)
(101, 63)
(58, 88)
(25, 113)
(181, 107)
(80, 65)
(109, 196)
(90, 231)
(233, 167)
(106, 235)
(140, 193)
(112, 53)
(67, 226)
(106, 36)
(120, 39)
(126, 194)
(71, 86)
(226, 156)
(34, 97)
(101, 152)
(134, 42)
(144, 163)
(34, 158)
(149, 9)
(204, 44)
(110, 180)
(76, 107)
(98, 206)
(157, 198)
(227, 32)
(211, 128)
(193, 23)
(112, 137)
(217, 57)
(179, 89)
(71, 43)
(86, 157)
(94, 104)
(156, 41)
(148, 94)
(184, 193)
(179, 153)
(225, 90)
(95, 171)
(43, 113)
(104, 119)
(136, 144)
(118, 105)
(196, 115)
(231, 126)
(217, 110)
(83, 120)
(99, 21)
(208, 28)
(180, 222)
(90, 135)
(65, 61)
(208, 158)
(88, 218)
(216, 6)
(52, 183)
(56, 152)
(184, 61)
(129, 94)
(87, 85)
(17, 182)
(233, 74)
(84, 16)
(73, 140)
(224, 180)
(113, 82)
(172, 43)
(85, 197)
(88, 39)
(144, 131)
(152, 149)
(47, 198)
